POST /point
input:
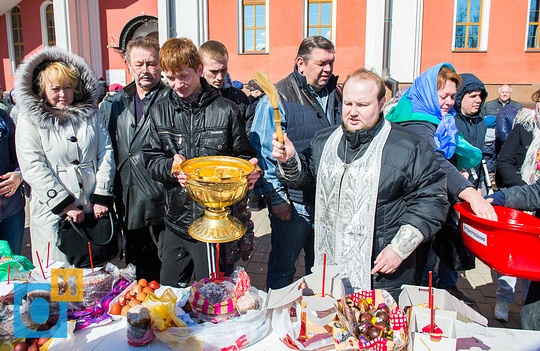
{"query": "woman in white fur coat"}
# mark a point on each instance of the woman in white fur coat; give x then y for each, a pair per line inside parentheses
(64, 150)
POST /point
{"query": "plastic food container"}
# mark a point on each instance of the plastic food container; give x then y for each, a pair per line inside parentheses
(510, 246)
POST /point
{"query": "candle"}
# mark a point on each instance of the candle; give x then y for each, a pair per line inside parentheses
(40, 265)
(90, 254)
(217, 260)
(48, 251)
(323, 274)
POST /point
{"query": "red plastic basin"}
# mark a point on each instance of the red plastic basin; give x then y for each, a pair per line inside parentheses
(511, 246)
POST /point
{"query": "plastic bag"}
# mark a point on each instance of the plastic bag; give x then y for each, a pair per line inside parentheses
(161, 310)
(20, 265)
(233, 334)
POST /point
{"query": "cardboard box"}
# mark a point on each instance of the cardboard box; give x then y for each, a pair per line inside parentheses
(445, 320)
(415, 296)
(307, 287)
(314, 313)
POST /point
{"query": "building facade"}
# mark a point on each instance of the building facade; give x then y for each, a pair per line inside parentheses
(496, 40)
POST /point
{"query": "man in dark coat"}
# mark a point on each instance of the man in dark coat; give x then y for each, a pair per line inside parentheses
(215, 60)
(489, 113)
(310, 102)
(139, 199)
(380, 191)
(194, 120)
(470, 98)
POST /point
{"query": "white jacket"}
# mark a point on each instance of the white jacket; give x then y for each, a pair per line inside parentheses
(66, 156)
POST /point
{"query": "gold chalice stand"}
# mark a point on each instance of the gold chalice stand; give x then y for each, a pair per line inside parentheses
(217, 182)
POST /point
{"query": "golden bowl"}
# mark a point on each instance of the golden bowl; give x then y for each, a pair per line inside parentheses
(217, 182)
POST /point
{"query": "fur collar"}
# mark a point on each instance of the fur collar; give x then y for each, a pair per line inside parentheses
(35, 109)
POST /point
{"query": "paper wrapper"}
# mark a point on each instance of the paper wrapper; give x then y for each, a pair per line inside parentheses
(205, 309)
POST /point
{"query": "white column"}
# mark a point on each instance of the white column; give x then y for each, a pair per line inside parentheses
(406, 44)
(61, 24)
(95, 45)
(374, 35)
(78, 30)
(189, 20)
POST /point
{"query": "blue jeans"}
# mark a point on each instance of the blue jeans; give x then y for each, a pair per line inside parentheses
(444, 278)
(507, 288)
(288, 238)
(12, 230)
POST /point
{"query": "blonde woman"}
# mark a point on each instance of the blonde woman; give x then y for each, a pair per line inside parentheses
(64, 151)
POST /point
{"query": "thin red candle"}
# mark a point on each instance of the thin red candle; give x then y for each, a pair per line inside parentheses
(431, 302)
(91, 260)
(323, 274)
(8, 273)
(217, 260)
(40, 265)
(48, 251)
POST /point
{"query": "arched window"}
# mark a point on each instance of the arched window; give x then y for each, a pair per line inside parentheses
(16, 36)
(47, 24)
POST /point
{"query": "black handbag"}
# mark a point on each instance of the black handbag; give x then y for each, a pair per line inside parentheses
(73, 239)
(449, 246)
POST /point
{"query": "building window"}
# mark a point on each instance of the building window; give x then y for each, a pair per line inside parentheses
(468, 24)
(254, 26)
(533, 41)
(50, 36)
(319, 18)
(17, 36)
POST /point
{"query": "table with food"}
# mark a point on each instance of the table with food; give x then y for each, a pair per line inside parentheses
(107, 308)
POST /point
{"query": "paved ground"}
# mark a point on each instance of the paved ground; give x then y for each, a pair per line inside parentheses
(480, 283)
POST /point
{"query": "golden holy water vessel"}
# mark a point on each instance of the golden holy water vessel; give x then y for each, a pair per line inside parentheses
(217, 182)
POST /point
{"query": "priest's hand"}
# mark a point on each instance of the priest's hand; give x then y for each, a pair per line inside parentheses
(387, 262)
(282, 151)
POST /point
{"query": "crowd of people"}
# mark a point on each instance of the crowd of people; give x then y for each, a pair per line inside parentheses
(367, 185)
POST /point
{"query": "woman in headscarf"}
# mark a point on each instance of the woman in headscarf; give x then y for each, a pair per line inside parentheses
(427, 109)
(64, 150)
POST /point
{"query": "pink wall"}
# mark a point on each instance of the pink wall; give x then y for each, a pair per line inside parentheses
(505, 60)
(286, 31)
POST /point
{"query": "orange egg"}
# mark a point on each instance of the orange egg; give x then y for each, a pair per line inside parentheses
(143, 282)
(141, 296)
(137, 288)
(133, 302)
(125, 310)
(115, 309)
(148, 290)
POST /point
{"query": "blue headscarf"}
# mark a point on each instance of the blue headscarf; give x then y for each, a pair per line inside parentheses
(425, 100)
(421, 103)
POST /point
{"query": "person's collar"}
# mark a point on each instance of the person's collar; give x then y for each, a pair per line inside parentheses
(302, 82)
(148, 94)
(359, 137)
(195, 96)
